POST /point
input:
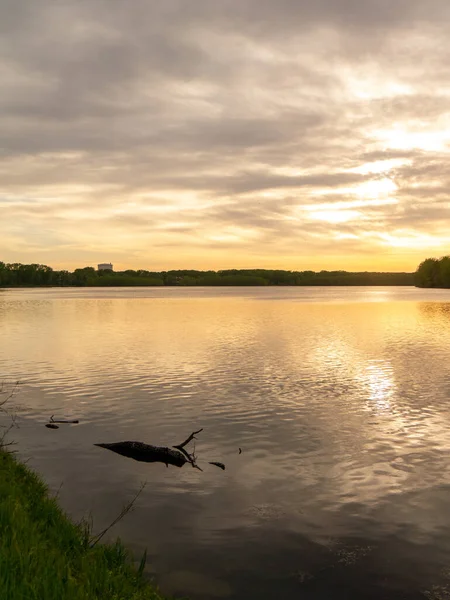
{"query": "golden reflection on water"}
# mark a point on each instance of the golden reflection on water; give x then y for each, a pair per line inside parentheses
(358, 384)
(381, 384)
(341, 409)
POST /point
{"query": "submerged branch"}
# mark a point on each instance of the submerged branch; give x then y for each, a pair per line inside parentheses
(147, 453)
(177, 456)
(125, 510)
(7, 395)
(52, 420)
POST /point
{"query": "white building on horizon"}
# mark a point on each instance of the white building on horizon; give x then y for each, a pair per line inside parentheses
(105, 267)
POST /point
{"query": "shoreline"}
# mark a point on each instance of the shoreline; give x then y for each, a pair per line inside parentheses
(224, 285)
(45, 555)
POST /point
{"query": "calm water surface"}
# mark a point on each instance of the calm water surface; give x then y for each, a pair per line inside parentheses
(338, 397)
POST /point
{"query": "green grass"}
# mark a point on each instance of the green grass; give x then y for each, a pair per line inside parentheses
(44, 556)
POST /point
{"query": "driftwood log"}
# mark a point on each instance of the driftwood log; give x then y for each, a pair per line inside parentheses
(176, 455)
(52, 420)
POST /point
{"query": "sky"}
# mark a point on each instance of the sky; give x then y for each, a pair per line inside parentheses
(214, 134)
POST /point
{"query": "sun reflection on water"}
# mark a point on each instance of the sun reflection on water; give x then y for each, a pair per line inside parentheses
(379, 379)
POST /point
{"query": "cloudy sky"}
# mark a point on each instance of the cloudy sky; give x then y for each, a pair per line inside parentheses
(225, 133)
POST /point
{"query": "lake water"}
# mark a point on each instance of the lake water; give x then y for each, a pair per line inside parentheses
(338, 397)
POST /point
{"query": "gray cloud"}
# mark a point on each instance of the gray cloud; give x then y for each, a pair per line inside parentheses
(180, 119)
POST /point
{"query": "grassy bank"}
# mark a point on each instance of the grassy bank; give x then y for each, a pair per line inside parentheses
(44, 556)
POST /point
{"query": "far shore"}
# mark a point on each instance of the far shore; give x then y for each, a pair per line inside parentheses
(35, 275)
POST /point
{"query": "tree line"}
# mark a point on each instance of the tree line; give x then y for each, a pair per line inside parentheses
(434, 273)
(20, 275)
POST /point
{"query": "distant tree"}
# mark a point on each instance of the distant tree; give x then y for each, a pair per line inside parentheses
(445, 271)
(428, 273)
(126, 281)
(184, 281)
(62, 278)
(431, 273)
(85, 276)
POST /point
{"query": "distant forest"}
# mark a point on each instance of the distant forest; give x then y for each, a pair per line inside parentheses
(19, 275)
(433, 272)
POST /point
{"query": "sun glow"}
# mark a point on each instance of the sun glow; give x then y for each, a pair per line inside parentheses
(350, 204)
(380, 166)
(371, 193)
(376, 187)
(400, 138)
(410, 239)
(380, 187)
(335, 216)
(370, 84)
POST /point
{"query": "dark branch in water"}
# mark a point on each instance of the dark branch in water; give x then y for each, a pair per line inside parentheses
(218, 464)
(191, 437)
(7, 394)
(52, 420)
(126, 509)
(147, 453)
(176, 456)
(191, 458)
